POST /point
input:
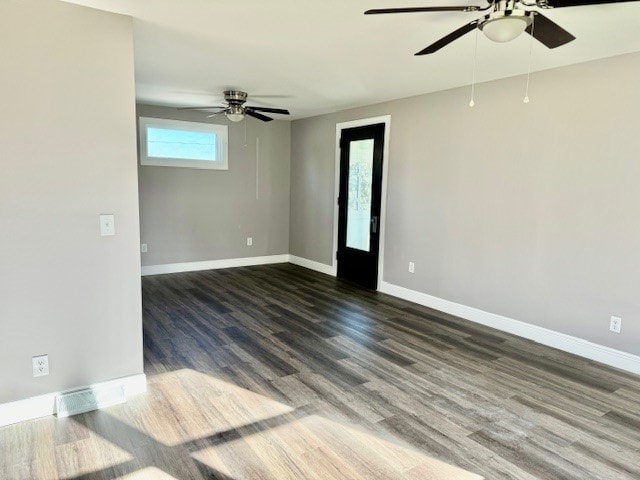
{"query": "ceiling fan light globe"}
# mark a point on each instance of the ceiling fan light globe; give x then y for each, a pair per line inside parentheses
(235, 117)
(504, 29)
(235, 113)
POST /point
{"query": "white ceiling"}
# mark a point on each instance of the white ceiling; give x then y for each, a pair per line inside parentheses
(320, 56)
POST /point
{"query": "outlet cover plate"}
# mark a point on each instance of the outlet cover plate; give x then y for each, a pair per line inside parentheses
(40, 365)
(615, 324)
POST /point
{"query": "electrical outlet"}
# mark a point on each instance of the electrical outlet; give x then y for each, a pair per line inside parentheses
(412, 267)
(40, 365)
(143, 248)
(249, 241)
(615, 324)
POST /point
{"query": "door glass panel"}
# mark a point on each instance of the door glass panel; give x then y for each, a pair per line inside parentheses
(359, 194)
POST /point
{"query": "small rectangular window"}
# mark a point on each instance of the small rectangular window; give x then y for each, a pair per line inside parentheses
(175, 143)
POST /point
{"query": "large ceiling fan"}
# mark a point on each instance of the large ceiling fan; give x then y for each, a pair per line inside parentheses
(235, 110)
(507, 19)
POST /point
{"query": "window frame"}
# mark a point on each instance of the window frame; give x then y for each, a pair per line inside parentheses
(222, 146)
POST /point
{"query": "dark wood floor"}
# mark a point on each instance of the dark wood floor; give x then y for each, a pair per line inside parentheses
(277, 372)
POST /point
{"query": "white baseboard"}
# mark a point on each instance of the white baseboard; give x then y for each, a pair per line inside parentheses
(312, 265)
(578, 346)
(213, 264)
(45, 405)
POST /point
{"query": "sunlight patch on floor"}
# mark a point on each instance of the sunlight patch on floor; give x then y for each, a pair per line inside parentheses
(188, 416)
(316, 447)
(150, 473)
(186, 405)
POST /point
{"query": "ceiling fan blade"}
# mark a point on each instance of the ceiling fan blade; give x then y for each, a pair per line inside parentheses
(257, 115)
(200, 108)
(575, 3)
(548, 32)
(444, 41)
(281, 111)
(461, 8)
(218, 113)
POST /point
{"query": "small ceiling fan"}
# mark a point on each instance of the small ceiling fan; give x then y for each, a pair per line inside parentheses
(506, 21)
(235, 110)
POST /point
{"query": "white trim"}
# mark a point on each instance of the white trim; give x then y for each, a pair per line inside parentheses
(383, 194)
(386, 119)
(212, 264)
(45, 405)
(577, 346)
(313, 265)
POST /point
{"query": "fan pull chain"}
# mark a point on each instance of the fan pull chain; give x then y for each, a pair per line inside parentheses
(533, 25)
(257, 168)
(473, 80)
(245, 132)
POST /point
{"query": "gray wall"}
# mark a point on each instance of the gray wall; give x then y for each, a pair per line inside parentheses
(528, 211)
(189, 215)
(67, 151)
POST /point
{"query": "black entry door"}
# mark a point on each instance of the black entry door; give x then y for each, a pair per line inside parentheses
(359, 204)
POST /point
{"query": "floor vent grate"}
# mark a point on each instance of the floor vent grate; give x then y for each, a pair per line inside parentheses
(88, 399)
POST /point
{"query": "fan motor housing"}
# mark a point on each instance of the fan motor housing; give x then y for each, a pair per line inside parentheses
(524, 15)
(235, 97)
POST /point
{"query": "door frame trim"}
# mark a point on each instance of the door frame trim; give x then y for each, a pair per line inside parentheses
(386, 119)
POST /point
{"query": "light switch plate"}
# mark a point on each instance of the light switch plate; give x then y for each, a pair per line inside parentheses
(107, 225)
